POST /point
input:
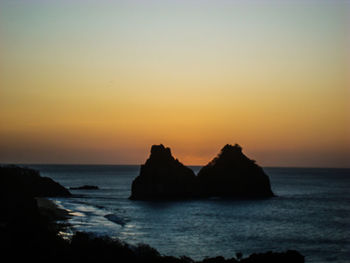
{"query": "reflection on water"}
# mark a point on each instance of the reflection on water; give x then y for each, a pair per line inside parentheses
(66, 234)
(75, 213)
(311, 214)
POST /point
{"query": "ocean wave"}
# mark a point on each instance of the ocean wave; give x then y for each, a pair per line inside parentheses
(116, 219)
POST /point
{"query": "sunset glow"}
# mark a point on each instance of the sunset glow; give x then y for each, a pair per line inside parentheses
(101, 81)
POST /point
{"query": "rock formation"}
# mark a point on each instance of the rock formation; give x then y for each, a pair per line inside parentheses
(163, 177)
(232, 174)
(19, 207)
(26, 182)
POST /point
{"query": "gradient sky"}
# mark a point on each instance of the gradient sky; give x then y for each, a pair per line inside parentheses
(101, 81)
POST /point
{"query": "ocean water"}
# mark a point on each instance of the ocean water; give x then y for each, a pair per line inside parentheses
(311, 214)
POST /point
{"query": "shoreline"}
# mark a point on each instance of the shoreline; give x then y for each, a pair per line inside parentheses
(33, 227)
(51, 210)
(57, 217)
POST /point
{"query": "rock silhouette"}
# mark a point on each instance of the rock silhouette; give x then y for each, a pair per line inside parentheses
(19, 188)
(230, 174)
(26, 182)
(163, 177)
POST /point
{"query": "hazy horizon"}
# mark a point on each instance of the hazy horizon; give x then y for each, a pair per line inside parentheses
(101, 81)
(189, 165)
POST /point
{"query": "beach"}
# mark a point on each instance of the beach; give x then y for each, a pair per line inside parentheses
(51, 210)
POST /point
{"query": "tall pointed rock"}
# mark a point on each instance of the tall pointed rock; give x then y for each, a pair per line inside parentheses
(163, 177)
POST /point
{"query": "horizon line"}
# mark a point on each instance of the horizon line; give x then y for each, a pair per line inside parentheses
(199, 165)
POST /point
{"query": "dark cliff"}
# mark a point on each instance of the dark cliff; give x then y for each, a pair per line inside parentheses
(19, 188)
(232, 174)
(163, 177)
(26, 182)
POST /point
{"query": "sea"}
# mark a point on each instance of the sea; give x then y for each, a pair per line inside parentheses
(310, 214)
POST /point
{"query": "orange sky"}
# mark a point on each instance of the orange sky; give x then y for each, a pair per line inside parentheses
(100, 82)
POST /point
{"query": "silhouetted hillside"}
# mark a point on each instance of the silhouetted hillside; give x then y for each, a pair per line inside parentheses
(20, 181)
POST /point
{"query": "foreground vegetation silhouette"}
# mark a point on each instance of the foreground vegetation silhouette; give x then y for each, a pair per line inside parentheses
(27, 233)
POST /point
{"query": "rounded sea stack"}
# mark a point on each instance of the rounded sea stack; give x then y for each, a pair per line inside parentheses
(232, 174)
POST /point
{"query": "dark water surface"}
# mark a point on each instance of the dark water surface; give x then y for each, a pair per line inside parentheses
(311, 214)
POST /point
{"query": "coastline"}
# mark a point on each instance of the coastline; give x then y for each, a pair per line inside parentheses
(35, 227)
(57, 217)
(51, 210)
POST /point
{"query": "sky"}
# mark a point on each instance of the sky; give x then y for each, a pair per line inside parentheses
(99, 82)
